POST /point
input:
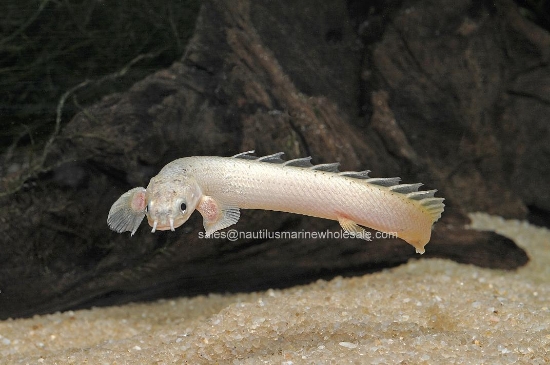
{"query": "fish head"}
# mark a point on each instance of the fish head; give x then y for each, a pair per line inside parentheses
(170, 202)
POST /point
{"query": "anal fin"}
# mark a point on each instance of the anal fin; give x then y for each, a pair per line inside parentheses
(217, 215)
(353, 228)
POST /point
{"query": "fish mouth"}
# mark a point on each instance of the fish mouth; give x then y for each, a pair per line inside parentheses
(171, 225)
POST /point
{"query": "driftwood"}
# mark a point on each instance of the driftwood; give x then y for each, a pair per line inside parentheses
(449, 94)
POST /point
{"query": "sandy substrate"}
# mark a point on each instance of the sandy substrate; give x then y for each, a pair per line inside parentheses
(425, 312)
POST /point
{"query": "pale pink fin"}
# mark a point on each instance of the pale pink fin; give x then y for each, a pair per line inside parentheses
(419, 248)
(418, 243)
(128, 211)
(217, 215)
(353, 228)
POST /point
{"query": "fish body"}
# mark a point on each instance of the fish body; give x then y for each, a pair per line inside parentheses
(218, 187)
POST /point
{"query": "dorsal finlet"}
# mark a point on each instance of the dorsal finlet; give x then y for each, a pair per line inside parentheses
(328, 167)
(431, 202)
(274, 158)
(420, 195)
(406, 188)
(248, 155)
(356, 174)
(299, 162)
(384, 181)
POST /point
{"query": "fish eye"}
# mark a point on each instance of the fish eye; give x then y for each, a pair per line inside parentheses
(183, 207)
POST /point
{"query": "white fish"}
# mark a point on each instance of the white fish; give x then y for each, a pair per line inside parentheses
(219, 186)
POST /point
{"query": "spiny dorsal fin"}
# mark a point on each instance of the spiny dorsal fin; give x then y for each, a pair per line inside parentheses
(433, 205)
(305, 162)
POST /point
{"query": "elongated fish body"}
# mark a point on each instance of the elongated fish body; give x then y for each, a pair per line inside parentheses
(219, 186)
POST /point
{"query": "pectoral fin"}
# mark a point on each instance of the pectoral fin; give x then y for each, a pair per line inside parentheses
(128, 211)
(353, 228)
(217, 215)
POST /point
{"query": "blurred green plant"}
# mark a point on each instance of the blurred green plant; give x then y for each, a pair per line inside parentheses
(49, 46)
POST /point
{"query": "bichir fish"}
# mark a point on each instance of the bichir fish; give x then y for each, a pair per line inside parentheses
(218, 187)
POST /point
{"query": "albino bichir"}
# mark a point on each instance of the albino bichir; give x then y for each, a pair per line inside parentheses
(218, 187)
